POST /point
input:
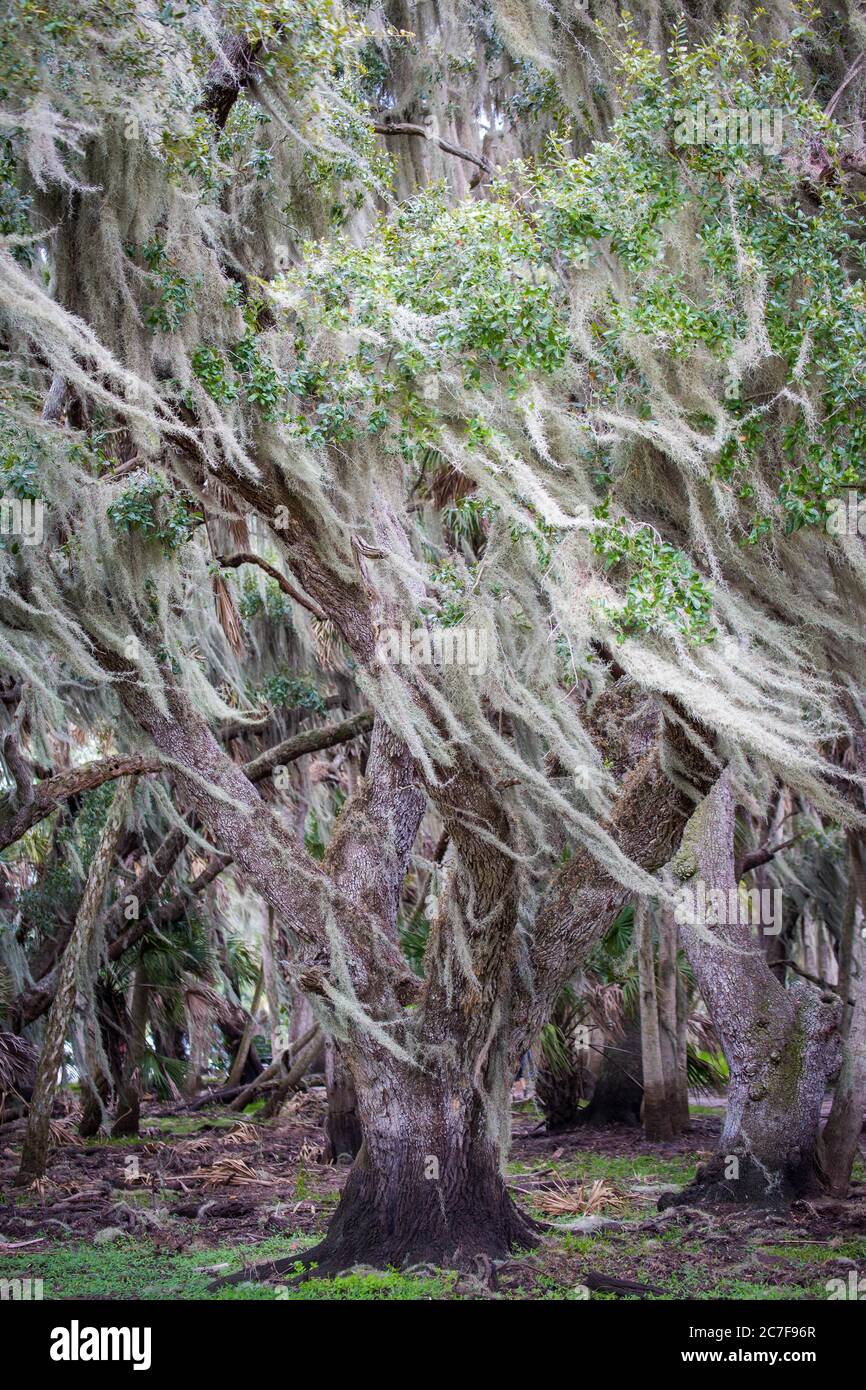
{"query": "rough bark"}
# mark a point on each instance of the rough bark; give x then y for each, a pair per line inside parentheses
(845, 1123)
(343, 1135)
(647, 824)
(45, 796)
(656, 1116)
(672, 1023)
(34, 1154)
(782, 1046)
(128, 1113)
(426, 1186)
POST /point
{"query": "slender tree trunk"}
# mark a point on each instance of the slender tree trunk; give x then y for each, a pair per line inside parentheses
(272, 985)
(656, 1117)
(34, 1154)
(200, 1034)
(128, 1113)
(682, 1088)
(845, 1123)
(303, 1062)
(782, 1046)
(672, 1023)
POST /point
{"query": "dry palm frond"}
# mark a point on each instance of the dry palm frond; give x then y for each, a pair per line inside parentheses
(194, 1145)
(61, 1135)
(40, 1188)
(227, 1170)
(310, 1153)
(562, 1200)
(227, 614)
(17, 1061)
(605, 1004)
(243, 1133)
(327, 641)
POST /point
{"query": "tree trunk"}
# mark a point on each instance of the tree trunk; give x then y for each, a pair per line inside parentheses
(236, 1076)
(342, 1126)
(272, 985)
(559, 1081)
(426, 1187)
(672, 1023)
(845, 1124)
(656, 1117)
(682, 1096)
(128, 1113)
(305, 1056)
(618, 1094)
(781, 1045)
(95, 1097)
(34, 1153)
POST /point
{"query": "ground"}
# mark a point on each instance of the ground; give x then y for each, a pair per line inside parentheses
(205, 1193)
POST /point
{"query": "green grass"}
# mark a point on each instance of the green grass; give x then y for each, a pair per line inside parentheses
(131, 1268)
(372, 1287)
(627, 1171)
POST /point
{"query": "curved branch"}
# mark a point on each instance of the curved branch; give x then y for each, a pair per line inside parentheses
(406, 128)
(49, 794)
(233, 562)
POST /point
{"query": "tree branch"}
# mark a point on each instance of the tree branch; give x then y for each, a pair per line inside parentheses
(233, 562)
(405, 128)
(48, 794)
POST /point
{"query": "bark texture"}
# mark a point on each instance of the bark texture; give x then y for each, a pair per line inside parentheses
(845, 1123)
(656, 1116)
(34, 1153)
(782, 1046)
(426, 1187)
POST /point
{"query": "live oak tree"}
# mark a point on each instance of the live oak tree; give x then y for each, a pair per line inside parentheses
(591, 409)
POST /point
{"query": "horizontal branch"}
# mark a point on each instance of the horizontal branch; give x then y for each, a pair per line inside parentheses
(762, 855)
(420, 132)
(76, 780)
(121, 934)
(310, 741)
(246, 557)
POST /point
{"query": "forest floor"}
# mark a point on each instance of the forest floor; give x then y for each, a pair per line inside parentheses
(202, 1194)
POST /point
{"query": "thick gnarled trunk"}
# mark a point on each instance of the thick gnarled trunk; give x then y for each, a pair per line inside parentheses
(427, 1185)
(782, 1046)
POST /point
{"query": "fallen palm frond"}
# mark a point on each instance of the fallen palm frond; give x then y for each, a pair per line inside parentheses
(39, 1187)
(62, 1135)
(193, 1145)
(227, 1170)
(17, 1061)
(310, 1153)
(562, 1200)
(243, 1133)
